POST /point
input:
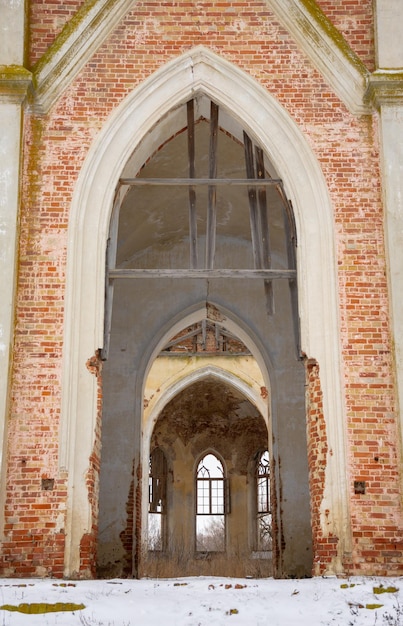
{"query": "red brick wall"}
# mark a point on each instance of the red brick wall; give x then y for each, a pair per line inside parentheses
(355, 21)
(34, 516)
(88, 546)
(46, 20)
(324, 545)
(126, 535)
(246, 34)
(373, 434)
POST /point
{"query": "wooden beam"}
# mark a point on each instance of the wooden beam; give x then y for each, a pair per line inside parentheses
(177, 340)
(272, 274)
(111, 250)
(262, 203)
(212, 192)
(291, 228)
(264, 242)
(192, 191)
(204, 333)
(291, 239)
(253, 214)
(198, 182)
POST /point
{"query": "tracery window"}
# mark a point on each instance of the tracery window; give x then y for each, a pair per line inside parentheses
(211, 505)
(264, 514)
(157, 483)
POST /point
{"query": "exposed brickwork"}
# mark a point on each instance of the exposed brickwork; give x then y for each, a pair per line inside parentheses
(355, 20)
(133, 524)
(369, 381)
(88, 546)
(46, 20)
(34, 518)
(195, 339)
(137, 544)
(126, 536)
(246, 34)
(324, 547)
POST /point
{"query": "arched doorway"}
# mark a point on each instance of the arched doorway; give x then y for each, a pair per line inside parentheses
(202, 514)
(205, 219)
(197, 71)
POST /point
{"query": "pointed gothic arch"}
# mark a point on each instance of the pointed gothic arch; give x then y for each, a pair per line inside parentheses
(198, 71)
(229, 425)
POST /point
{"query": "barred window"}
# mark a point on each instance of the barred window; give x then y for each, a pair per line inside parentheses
(264, 515)
(157, 482)
(210, 505)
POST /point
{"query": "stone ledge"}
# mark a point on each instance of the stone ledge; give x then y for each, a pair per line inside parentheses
(384, 87)
(16, 82)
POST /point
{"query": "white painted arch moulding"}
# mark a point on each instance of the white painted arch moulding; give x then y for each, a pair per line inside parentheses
(197, 71)
(201, 373)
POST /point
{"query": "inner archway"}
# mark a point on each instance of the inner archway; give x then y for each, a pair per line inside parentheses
(205, 219)
(204, 502)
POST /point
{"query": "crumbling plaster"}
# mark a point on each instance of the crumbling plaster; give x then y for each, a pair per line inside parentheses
(168, 374)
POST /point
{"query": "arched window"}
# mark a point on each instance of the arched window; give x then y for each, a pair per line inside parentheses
(263, 508)
(157, 483)
(211, 505)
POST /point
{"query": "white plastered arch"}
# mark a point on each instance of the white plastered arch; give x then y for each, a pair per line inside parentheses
(197, 71)
(217, 372)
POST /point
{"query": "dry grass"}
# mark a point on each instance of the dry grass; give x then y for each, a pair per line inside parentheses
(179, 562)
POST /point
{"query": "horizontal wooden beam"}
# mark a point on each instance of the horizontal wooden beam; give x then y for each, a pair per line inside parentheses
(193, 182)
(114, 274)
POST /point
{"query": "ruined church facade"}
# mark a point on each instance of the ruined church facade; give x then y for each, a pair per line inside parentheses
(201, 253)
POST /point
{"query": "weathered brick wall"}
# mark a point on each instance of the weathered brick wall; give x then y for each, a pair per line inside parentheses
(373, 433)
(126, 535)
(34, 515)
(88, 545)
(355, 21)
(246, 34)
(324, 544)
(46, 20)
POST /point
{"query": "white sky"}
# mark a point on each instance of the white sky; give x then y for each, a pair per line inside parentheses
(208, 602)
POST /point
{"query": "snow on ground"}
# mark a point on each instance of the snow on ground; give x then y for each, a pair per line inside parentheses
(204, 601)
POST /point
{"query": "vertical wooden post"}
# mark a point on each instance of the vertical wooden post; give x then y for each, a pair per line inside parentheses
(212, 209)
(254, 223)
(192, 191)
(111, 249)
(291, 237)
(258, 217)
(264, 242)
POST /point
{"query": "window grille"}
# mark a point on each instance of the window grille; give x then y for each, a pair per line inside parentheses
(264, 515)
(211, 498)
(157, 481)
